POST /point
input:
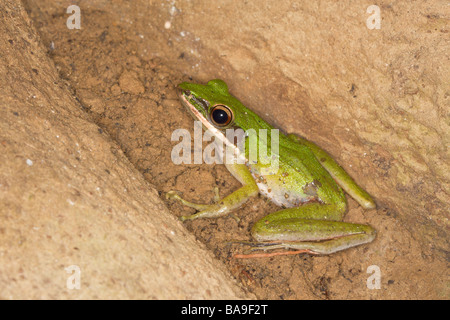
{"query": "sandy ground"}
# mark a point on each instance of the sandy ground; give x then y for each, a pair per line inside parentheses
(125, 80)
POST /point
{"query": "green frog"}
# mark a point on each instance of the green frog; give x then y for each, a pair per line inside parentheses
(308, 184)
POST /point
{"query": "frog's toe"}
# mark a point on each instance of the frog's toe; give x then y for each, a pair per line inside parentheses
(171, 195)
(174, 195)
(184, 218)
(216, 194)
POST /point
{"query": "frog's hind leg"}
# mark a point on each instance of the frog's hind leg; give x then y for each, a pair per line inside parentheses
(309, 247)
(342, 178)
(329, 246)
(291, 230)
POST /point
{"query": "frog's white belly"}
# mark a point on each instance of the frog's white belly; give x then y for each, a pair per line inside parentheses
(274, 189)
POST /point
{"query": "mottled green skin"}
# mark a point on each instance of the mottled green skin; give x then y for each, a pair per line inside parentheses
(307, 184)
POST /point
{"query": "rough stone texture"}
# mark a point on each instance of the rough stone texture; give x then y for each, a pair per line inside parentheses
(69, 196)
(377, 100)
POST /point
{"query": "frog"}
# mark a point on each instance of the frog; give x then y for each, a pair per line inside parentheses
(309, 186)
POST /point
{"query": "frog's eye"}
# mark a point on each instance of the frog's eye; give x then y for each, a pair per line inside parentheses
(221, 115)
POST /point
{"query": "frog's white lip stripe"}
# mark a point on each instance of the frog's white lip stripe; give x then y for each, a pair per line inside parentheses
(209, 126)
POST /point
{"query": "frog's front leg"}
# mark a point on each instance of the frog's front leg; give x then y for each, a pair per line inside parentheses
(296, 228)
(230, 202)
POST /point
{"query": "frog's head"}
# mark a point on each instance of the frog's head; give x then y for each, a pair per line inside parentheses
(213, 105)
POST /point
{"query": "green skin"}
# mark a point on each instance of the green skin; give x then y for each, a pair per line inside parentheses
(309, 184)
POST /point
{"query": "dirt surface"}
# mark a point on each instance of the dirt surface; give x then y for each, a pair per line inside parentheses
(381, 117)
(78, 221)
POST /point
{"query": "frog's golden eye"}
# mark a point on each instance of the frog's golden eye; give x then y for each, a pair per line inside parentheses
(221, 115)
